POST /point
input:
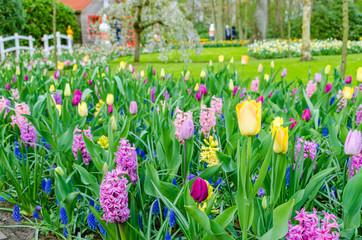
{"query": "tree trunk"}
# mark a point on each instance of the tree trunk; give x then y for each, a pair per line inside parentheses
(260, 20)
(54, 33)
(239, 20)
(277, 17)
(219, 20)
(268, 12)
(345, 38)
(307, 12)
(281, 21)
(137, 46)
(246, 20)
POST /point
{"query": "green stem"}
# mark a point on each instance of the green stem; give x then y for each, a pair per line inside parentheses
(185, 158)
(121, 231)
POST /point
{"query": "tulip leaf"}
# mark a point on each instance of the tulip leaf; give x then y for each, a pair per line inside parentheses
(352, 203)
(226, 217)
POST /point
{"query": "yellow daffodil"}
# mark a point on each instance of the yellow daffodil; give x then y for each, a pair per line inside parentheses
(208, 152)
(249, 117)
(103, 142)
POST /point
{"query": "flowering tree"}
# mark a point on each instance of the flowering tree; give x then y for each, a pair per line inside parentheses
(148, 15)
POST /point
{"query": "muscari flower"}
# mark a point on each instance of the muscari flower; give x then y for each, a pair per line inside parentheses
(63, 216)
(92, 221)
(48, 186)
(16, 214)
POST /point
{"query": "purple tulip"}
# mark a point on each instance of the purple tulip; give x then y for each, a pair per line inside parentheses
(260, 99)
(328, 88)
(187, 129)
(348, 80)
(284, 72)
(318, 77)
(199, 191)
(7, 86)
(77, 97)
(306, 115)
(110, 109)
(14, 78)
(203, 89)
(145, 81)
(353, 143)
(133, 109)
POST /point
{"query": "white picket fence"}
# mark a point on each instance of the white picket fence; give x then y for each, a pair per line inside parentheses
(17, 47)
(59, 38)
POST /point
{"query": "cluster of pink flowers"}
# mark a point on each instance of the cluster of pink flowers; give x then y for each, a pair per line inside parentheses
(114, 197)
(15, 94)
(126, 159)
(180, 118)
(255, 85)
(78, 144)
(309, 227)
(28, 134)
(20, 108)
(207, 120)
(4, 104)
(342, 102)
(216, 104)
(310, 149)
(356, 163)
(358, 115)
(311, 88)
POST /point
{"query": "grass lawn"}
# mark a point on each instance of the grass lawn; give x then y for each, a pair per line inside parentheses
(296, 69)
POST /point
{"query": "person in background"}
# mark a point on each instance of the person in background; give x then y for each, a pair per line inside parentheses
(233, 32)
(227, 33)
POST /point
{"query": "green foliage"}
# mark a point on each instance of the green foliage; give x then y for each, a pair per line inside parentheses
(11, 17)
(39, 19)
(326, 21)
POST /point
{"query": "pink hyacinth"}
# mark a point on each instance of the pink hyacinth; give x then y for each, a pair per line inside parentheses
(78, 144)
(356, 163)
(126, 159)
(310, 149)
(310, 227)
(255, 85)
(180, 118)
(342, 102)
(4, 104)
(311, 88)
(216, 104)
(28, 134)
(114, 197)
(207, 120)
(15, 94)
(358, 115)
(20, 108)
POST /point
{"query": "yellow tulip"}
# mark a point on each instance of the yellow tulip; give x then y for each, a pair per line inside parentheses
(260, 68)
(103, 74)
(113, 123)
(83, 109)
(281, 140)
(231, 85)
(60, 66)
(276, 123)
(266, 77)
(348, 93)
(203, 74)
(110, 99)
(249, 117)
(122, 65)
(67, 90)
(59, 108)
(187, 76)
(327, 69)
(52, 88)
(359, 74)
(196, 87)
(162, 74)
(142, 74)
(221, 58)
(75, 67)
(244, 59)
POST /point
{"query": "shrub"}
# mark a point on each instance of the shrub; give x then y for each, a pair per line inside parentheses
(39, 19)
(11, 17)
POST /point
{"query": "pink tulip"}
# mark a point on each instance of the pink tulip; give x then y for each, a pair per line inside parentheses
(90, 82)
(7, 86)
(353, 143)
(199, 190)
(133, 109)
(293, 124)
(328, 88)
(77, 97)
(306, 115)
(145, 81)
(198, 96)
(294, 91)
(348, 80)
(260, 99)
(270, 94)
(187, 129)
(26, 78)
(110, 109)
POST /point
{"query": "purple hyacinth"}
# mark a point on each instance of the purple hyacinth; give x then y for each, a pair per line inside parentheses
(153, 91)
(310, 149)
(78, 144)
(57, 98)
(28, 134)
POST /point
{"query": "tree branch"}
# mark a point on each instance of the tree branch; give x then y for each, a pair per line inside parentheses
(152, 23)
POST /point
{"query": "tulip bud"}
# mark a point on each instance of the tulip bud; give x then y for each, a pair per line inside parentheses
(353, 143)
(260, 68)
(7, 86)
(122, 65)
(60, 66)
(75, 67)
(221, 58)
(90, 82)
(52, 88)
(83, 109)
(130, 67)
(266, 77)
(202, 74)
(142, 74)
(59, 108)
(327, 69)
(110, 99)
(162, 74)
(187, 76)
(244, 59)
(348, 80)
(348, 93)
(284, 72)
(199, 191)
(318, 77)
(110, 109)
(26, 78)
(210, 63)
(67, 92)
(293, 124)
(328, 88)
(17, 70)
(196, 87)
(187, 129)
(264, 203)
(281, 139)
(113, 123)
(133, 109)
(306, 115)
(198, 96)
(272, 64)
(105, 168)
(260, 99)
(59, 170)
(232, 60)
(231, 85)
(359, 74)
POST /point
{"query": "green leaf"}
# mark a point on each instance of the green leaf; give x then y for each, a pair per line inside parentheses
(226, 217)
(352, 202)
(88, 179)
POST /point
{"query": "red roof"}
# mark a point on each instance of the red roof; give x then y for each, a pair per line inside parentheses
(77, 5)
